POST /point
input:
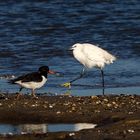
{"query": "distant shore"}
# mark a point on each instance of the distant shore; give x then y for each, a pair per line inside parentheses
(116, 116)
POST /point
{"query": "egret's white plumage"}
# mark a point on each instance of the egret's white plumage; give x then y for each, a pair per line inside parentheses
(91, 56)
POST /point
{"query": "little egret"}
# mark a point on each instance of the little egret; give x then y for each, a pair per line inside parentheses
(90, 56)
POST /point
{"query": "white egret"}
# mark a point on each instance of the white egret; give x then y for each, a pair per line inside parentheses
(90, 56)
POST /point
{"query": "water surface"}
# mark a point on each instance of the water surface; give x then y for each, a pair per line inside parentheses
(43, 128)
(36, 33)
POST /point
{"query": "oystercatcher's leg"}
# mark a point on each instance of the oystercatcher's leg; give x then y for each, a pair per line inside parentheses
(19, 93)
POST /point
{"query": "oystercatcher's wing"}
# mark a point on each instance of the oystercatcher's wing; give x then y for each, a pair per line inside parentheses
(31, 77)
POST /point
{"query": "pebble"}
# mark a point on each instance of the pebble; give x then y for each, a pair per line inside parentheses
(23, 133)
(131, 131)
(33, 105)
(73, 108)
(106, 100)
(58, 112)
(50, 106)
(66, 104)
(94, 97)
(109, 105)
(98, 102)
(11, 134)
(71, 134)
(44, 106)
(74, 105)
(138, 103)
(130, 112)
(114, 103)
(97, 111)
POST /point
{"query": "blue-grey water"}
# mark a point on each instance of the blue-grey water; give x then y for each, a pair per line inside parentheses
(42, 128)
(38, 32)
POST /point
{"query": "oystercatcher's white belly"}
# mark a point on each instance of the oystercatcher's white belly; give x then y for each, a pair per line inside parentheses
(32, 84)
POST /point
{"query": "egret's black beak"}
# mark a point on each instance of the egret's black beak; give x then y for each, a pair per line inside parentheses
(70, 50)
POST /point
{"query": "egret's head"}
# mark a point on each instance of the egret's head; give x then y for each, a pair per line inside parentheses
(77, 45)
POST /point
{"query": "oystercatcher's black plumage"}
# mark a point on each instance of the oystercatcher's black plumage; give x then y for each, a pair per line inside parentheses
(33, 80)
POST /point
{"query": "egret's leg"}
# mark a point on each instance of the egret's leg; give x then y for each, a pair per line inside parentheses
(102, 75)
(68, 84)
(20, 89)
(81, 75)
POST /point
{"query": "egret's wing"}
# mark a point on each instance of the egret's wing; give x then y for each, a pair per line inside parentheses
(92, 52)
(97, 54)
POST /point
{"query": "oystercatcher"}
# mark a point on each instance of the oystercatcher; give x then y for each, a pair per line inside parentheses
(33, 80)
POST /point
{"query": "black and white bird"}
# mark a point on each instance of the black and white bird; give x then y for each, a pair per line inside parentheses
(33, 80)
(90, 56)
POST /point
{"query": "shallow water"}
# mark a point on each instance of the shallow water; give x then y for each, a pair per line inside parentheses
(42, 128)
(36, 33)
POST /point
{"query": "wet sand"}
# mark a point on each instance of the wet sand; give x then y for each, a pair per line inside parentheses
(117, 116)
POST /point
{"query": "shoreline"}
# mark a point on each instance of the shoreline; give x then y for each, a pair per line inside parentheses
(116, 116)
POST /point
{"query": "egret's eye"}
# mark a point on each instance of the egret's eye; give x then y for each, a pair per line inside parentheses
(73, 46)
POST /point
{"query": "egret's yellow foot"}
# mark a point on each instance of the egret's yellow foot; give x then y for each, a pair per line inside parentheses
(68, 84)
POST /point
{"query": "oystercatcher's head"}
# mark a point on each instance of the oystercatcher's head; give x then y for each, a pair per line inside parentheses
(44, 70)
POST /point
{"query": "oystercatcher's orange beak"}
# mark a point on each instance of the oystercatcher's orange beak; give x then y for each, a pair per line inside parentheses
(51, 72)
(59, 74)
